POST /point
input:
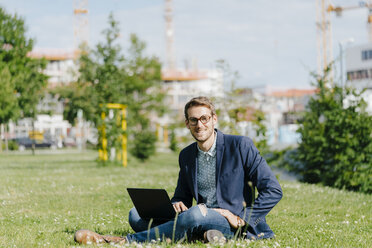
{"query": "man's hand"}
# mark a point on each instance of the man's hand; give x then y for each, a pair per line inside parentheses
(234, 220)
(179, 207)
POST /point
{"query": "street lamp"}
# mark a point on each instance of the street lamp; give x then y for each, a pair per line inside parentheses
(341, 46)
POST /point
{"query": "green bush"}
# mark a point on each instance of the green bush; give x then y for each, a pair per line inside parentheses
(143, 144)
(173, 141)
(336, 145)
(275, 157)
(12, 145)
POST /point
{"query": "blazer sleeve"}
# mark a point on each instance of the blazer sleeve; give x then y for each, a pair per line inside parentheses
(183, 191)
(261, 177)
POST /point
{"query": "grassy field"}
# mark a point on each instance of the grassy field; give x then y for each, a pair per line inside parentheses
(45, 198)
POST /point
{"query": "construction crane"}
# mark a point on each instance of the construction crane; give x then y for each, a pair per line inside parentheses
(81, 24)
(362, 4)
(171, 72)
(171, 63)
(324, 37)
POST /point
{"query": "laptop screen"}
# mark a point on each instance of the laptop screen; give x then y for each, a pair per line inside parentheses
(152, 203)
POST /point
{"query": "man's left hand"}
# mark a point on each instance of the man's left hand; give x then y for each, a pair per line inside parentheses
(234, 220)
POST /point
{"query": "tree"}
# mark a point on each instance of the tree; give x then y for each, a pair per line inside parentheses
(235, 108)
(260, 140)
(22, 82)
(336, 141)
(107, 76)
(8, 98)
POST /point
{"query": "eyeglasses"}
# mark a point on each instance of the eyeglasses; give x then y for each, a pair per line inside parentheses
(204, 119)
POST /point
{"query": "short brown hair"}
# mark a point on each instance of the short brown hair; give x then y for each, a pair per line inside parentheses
(199, 101)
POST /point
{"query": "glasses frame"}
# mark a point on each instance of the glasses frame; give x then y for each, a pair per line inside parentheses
(209, 117)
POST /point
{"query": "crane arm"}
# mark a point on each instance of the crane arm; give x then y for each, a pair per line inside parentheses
(339, 9)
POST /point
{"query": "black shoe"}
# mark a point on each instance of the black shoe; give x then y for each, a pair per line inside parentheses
(214, 236)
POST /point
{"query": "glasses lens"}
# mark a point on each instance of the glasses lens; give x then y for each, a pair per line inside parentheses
(193, 121)
(204, 119)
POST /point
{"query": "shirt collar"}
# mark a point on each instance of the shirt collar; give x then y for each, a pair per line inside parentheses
(212, 151)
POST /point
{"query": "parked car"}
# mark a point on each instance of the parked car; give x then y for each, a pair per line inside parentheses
(24, 143)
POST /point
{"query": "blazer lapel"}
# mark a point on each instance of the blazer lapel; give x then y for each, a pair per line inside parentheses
(194, 169)
(220, 146)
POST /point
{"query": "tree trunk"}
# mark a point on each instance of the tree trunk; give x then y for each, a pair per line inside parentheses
(6, 138)
(1, 140)
(33, 134)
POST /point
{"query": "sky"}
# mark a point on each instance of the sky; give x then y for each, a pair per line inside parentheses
(270, 43)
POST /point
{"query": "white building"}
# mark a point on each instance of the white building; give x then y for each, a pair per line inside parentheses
(282, 108)
(61, 67)
(182, 85)
(358, 61)
(61, 70)
(53, 127)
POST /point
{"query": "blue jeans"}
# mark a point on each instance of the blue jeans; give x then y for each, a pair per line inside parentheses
(190, 225)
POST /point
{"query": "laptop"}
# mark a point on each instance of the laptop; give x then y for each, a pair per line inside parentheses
(152, 203)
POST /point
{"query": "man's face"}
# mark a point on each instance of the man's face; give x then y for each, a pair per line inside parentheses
(199, 130)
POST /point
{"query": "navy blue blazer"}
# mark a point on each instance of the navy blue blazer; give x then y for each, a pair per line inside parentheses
(239, 171)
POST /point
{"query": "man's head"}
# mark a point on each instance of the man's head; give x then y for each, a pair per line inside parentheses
(199, 101)
(200, 118)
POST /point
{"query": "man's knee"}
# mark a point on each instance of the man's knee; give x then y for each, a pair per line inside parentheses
(133, 215)
(203, 209)
(194, 216)
(135, 220)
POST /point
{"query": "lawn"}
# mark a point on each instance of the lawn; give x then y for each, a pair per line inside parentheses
(45, 198)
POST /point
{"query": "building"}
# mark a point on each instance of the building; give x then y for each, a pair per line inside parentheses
(282, 109)
(182, 85)
(52, 127)
(61, 70)
(61, 67)
(358, 61)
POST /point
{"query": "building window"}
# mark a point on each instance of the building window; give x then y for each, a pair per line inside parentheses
(366, 54)
(359, 75)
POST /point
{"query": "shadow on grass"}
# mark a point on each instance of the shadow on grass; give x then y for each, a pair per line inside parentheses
(122, 232)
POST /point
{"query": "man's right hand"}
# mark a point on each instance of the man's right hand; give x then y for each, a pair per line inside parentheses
(179, 207)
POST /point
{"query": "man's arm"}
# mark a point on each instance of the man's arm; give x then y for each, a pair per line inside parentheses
(182, 193)
(261, 176)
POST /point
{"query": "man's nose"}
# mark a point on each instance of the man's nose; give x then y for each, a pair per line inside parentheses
(199, 123)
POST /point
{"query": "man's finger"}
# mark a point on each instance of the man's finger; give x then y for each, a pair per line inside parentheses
(178, 207)
(175, 207)
(183, 207)
(220, 211)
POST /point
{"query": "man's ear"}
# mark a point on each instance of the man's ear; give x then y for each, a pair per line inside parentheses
(187, 124)
(215, 119)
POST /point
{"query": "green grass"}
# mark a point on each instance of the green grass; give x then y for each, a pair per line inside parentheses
(45, 198)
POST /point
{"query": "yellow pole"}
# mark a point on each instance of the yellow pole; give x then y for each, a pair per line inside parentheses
(103, 155)
(157, 133)
(104, 140)
(165, 134)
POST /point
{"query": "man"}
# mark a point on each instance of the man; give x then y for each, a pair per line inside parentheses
(221, 173)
